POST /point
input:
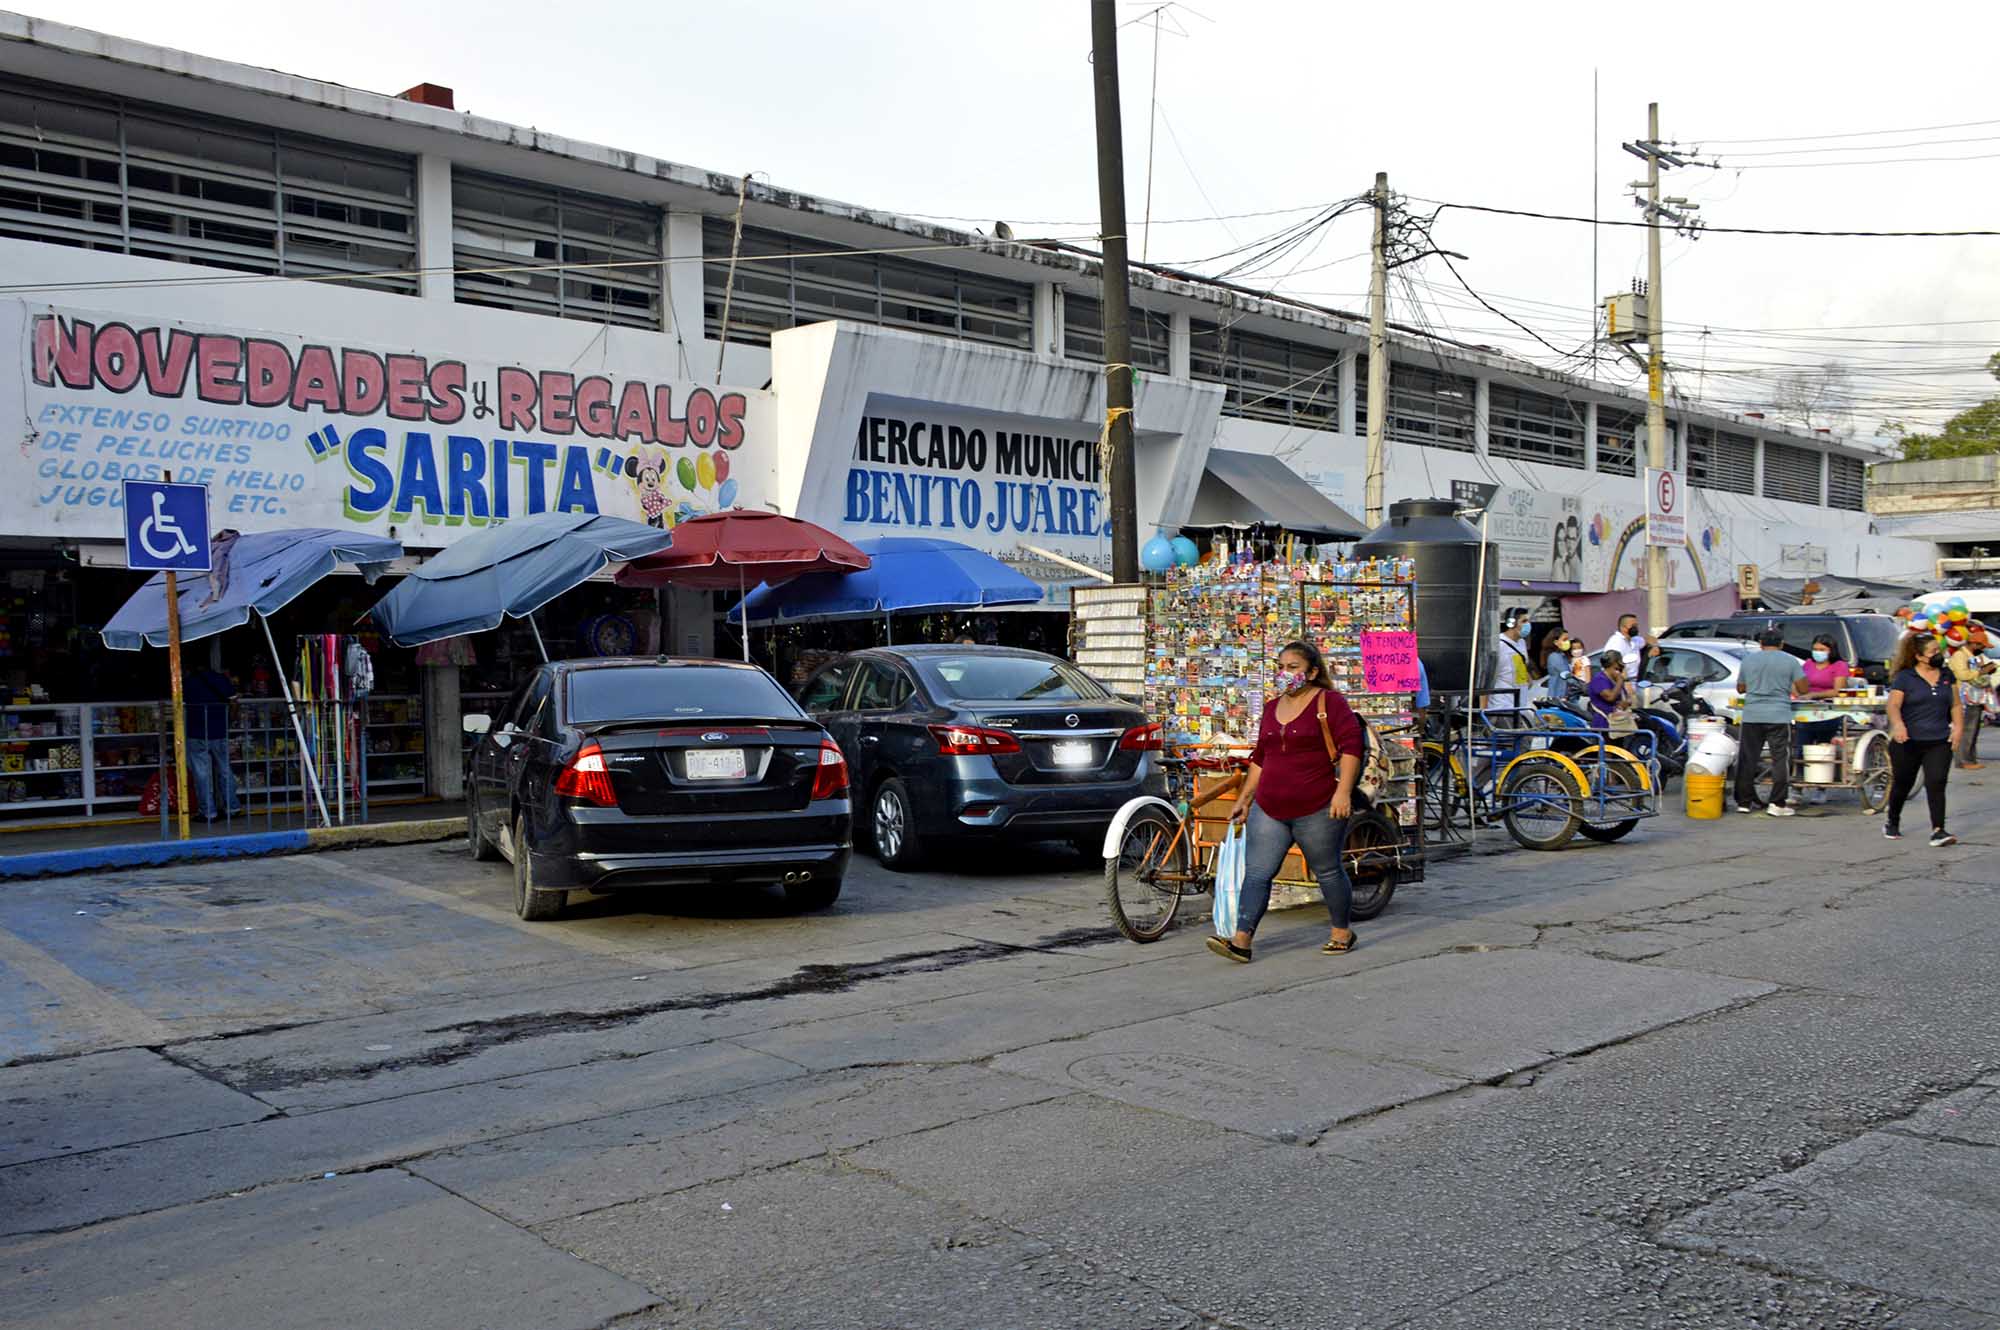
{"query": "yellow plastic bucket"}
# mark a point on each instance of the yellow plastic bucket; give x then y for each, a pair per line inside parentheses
(1704, 795)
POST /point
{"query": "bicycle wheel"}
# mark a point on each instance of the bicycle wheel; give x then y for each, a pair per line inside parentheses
(1143, 881)
(1373, 843)
(1873, 780)
(1541, 798)
(1442, 792)
(1624, 791)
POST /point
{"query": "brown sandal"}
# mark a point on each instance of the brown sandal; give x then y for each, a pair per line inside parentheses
(1336, 945)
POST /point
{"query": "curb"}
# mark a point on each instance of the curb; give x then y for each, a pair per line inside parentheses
(148, 854)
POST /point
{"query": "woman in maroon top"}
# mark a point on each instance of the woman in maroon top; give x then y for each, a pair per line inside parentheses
(1298, 794)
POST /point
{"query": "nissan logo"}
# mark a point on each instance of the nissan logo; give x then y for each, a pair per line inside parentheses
(714, 736)
(1070, 720)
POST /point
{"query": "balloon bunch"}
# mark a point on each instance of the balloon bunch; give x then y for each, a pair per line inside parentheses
(1949, 621)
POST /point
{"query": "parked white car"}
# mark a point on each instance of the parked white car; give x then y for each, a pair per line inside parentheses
(1712, 662)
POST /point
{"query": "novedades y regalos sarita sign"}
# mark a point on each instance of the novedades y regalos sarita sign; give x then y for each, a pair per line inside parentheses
(993, 482)
(288, 431)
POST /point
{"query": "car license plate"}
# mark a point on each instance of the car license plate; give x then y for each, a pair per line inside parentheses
(716, 764)
(1072, 754)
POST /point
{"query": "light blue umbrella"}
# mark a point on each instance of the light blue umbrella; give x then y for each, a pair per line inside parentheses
(259, 574)
(509, 571)
(907, 574)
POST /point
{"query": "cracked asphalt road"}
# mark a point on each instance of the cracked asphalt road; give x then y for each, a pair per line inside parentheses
(1721, 1074)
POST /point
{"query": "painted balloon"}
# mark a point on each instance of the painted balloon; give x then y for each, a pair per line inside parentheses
(726, 496)
(721, 467)
(704, 471)
(685, 471)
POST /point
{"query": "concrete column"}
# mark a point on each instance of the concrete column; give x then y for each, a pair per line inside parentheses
(690, 623)
(1048, 320)
(434, 281)
(1825, 474)
(444, 749)
(1590, 436)
(1348, 422)
(1180, 345)
(683, 291)
(1757, 465)
(1482, 415)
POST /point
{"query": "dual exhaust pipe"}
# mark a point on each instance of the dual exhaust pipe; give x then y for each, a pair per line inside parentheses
(795, 879)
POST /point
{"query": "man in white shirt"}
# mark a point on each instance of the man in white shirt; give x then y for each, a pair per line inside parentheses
(1512, 669)
(1629, 643)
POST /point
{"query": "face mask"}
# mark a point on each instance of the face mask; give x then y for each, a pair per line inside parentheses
(1821, 655)
(1289, 681)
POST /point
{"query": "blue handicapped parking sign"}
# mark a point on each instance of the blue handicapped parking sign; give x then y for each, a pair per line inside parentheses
(166, 527)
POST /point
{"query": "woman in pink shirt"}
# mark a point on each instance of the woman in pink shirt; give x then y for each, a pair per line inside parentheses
(1300, 792)
(1825, 673)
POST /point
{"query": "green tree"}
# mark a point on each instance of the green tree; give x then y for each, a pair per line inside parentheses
(1968, 434)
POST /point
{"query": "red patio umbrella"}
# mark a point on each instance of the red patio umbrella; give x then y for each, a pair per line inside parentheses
(739, 548)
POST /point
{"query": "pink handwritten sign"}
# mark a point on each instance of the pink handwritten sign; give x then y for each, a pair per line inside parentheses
(1389, 661)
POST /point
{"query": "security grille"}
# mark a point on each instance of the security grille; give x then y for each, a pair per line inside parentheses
(1791, 472)
(125, 177)
(1428, 406)
(1083, 334)
(553, 251)
(1268, 378)
(1618, 442)
(1721, 461)
(1846, 483)
(783, 281)
(1534, 427)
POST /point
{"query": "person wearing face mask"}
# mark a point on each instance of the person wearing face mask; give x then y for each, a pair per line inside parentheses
(1972, 674)
(1628, 642)
(1300, 791)
(1768, 679)
(1925, 720)
(1825, 674)
(1511, 670)
(1555, 660)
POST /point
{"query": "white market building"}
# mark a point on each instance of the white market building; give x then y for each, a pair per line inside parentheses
(161, 212)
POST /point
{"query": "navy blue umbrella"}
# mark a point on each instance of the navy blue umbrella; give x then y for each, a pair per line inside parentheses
(509, 571)
(907, 574)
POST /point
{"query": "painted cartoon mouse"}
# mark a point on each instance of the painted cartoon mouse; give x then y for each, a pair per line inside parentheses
(648, 475)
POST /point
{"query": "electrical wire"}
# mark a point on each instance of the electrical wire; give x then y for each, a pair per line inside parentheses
(1716, 230)
(1854, 134)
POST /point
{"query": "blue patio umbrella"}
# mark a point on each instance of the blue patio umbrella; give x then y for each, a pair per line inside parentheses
(509, 571)
(258, 574)
(907, 574)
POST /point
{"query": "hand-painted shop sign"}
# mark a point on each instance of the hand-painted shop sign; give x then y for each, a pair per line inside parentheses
(289, 431)
(975, 479)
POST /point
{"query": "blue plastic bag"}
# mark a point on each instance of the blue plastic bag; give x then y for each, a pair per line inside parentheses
(1228, 880)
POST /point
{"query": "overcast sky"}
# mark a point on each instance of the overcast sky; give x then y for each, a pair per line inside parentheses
(983, 111)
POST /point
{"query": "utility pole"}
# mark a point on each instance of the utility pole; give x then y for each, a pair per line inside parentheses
(1378, 349)
(1117, 295)
(1657, 614)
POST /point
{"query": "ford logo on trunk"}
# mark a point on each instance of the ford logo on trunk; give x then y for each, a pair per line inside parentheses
(1070, 720)
(713, 736)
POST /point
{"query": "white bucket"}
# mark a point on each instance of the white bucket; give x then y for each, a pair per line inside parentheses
(1702, 726)
(1716, 748)
(1822, 763)
(1708, 764)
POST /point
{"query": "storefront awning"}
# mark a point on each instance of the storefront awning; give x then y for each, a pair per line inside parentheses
(1255, 489)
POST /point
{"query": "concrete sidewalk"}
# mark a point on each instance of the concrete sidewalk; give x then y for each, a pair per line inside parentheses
(99, 847)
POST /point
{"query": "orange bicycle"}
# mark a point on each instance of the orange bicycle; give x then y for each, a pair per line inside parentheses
(1154, 853)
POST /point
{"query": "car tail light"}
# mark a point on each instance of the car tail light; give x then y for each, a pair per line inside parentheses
(971, 741)
(588, 778)
(830, 776)
(1142, 738)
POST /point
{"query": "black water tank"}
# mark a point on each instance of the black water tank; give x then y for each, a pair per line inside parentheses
(1446, 551)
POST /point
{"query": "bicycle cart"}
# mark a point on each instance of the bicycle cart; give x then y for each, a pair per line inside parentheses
(1861, 747)
(1546, 786)
(1160, 851)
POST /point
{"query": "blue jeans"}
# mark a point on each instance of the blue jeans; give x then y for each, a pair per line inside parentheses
(202, 752)
(1266, 842)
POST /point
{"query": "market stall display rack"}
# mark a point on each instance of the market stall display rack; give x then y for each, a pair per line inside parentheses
(1214, 634)
(262, 741)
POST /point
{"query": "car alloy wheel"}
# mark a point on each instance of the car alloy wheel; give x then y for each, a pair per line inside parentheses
(891, 823)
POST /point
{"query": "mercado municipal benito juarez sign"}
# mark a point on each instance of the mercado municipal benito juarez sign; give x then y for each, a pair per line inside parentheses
(290, 432)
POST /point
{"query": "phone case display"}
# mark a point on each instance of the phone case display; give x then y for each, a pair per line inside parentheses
(1335, 615)
(1214, 632)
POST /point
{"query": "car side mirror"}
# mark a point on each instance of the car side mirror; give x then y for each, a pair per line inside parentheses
(477, 723)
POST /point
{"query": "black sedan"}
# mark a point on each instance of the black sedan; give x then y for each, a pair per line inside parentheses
(952, 742)
(610, 774)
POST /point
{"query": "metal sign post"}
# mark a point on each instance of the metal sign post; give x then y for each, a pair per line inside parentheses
(166, 531)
